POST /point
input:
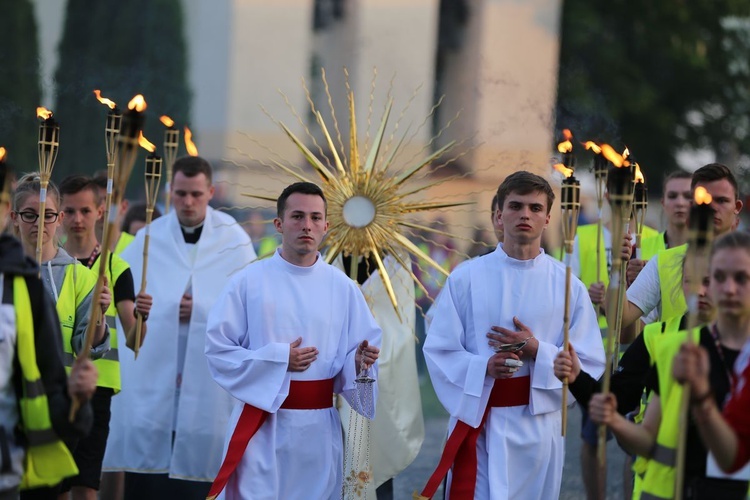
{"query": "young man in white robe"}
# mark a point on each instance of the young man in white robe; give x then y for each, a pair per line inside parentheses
(505, 406)
(169, 420)
(285, 335)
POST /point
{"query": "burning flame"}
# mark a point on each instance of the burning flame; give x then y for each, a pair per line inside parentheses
(625, 153)
(702, 197)
(137, 103)
(167, 121)
(592, 146)
(566, 146)
(612, 155)
(2, 153)
(43, 113)
(638, 175)
(567, 172)
(189, 144)
(145, 144)
(104, 100)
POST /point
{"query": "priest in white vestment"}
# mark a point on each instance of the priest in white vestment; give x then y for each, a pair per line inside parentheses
(514, 294)
(170, 417)
(288, 322)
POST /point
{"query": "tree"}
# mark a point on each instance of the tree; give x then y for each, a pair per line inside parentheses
(20, 91)
(655, 76)
(123, 49)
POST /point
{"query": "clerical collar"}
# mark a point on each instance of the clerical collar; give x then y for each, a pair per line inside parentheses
(192, 234)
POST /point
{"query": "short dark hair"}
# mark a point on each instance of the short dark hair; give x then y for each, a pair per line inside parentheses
(137, 213)
(524, 182)
(73, 184)
(190, 166)
(731, 240)
(715, 172)
(100, 180)
(298, 187)
(677, 174)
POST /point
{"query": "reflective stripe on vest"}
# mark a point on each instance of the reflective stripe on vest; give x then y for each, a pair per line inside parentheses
(670, 282)
(47, 460)
(659, 479)
(109, 365)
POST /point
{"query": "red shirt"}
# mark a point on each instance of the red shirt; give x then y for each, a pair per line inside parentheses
(737, 410)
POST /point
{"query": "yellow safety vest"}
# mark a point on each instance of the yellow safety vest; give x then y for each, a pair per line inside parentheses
(48, 461)
(587, 260)
(78, 283)
(651, 334)
(123, 242)
(658, 482)
(109, 364)
(652, 244)
(670, 282)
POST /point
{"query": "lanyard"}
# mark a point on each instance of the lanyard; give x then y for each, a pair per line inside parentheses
(93, 256)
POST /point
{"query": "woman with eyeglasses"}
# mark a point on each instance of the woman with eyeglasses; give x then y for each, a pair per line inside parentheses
(69, 283)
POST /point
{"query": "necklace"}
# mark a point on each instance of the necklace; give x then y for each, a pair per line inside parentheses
(93, 256)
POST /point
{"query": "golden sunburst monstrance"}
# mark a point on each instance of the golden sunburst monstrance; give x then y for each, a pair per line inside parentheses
(367, 198)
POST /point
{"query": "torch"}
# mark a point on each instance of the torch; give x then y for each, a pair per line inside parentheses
(152, 178)
(192, 150)
(600, 177)
(49, 141)
(171, 143)
(700, 235)
(640, 205)
(127, 150)
(111, 131)
(620, 188)
(571, 206)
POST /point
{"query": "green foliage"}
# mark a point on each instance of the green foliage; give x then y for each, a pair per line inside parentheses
(655, 76)
(123, 49)
(20, 92)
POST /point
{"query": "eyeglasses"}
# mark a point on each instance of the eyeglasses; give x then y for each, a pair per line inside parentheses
(31, 217)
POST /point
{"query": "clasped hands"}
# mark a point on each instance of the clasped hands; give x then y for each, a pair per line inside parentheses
(504, 364)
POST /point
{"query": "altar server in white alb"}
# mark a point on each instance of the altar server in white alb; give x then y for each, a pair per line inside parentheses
(168, 422)
(505, 407)
(285, 335)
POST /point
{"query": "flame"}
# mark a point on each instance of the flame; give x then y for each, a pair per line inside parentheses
(612, 155)
(566, 146)
(43, 113)
(567, 172)
(189, 144)
(104, 100)
(625, 153)
(137, 103)
(638, 175)
(145, 144)
(2, 153)
(167, 121)
(592, 146)
(702, 197)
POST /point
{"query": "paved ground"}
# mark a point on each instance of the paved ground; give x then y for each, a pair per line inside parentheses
(415, 476)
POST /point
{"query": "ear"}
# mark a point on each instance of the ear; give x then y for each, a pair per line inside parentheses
(546, 220)
(499, 218)
(211, 191)
(738, 207)
(277, 224)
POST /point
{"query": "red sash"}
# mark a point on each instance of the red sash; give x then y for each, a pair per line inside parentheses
(303, 395)
(461, 448)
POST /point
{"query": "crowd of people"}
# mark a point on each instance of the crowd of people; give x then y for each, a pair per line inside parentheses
(232, 392)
